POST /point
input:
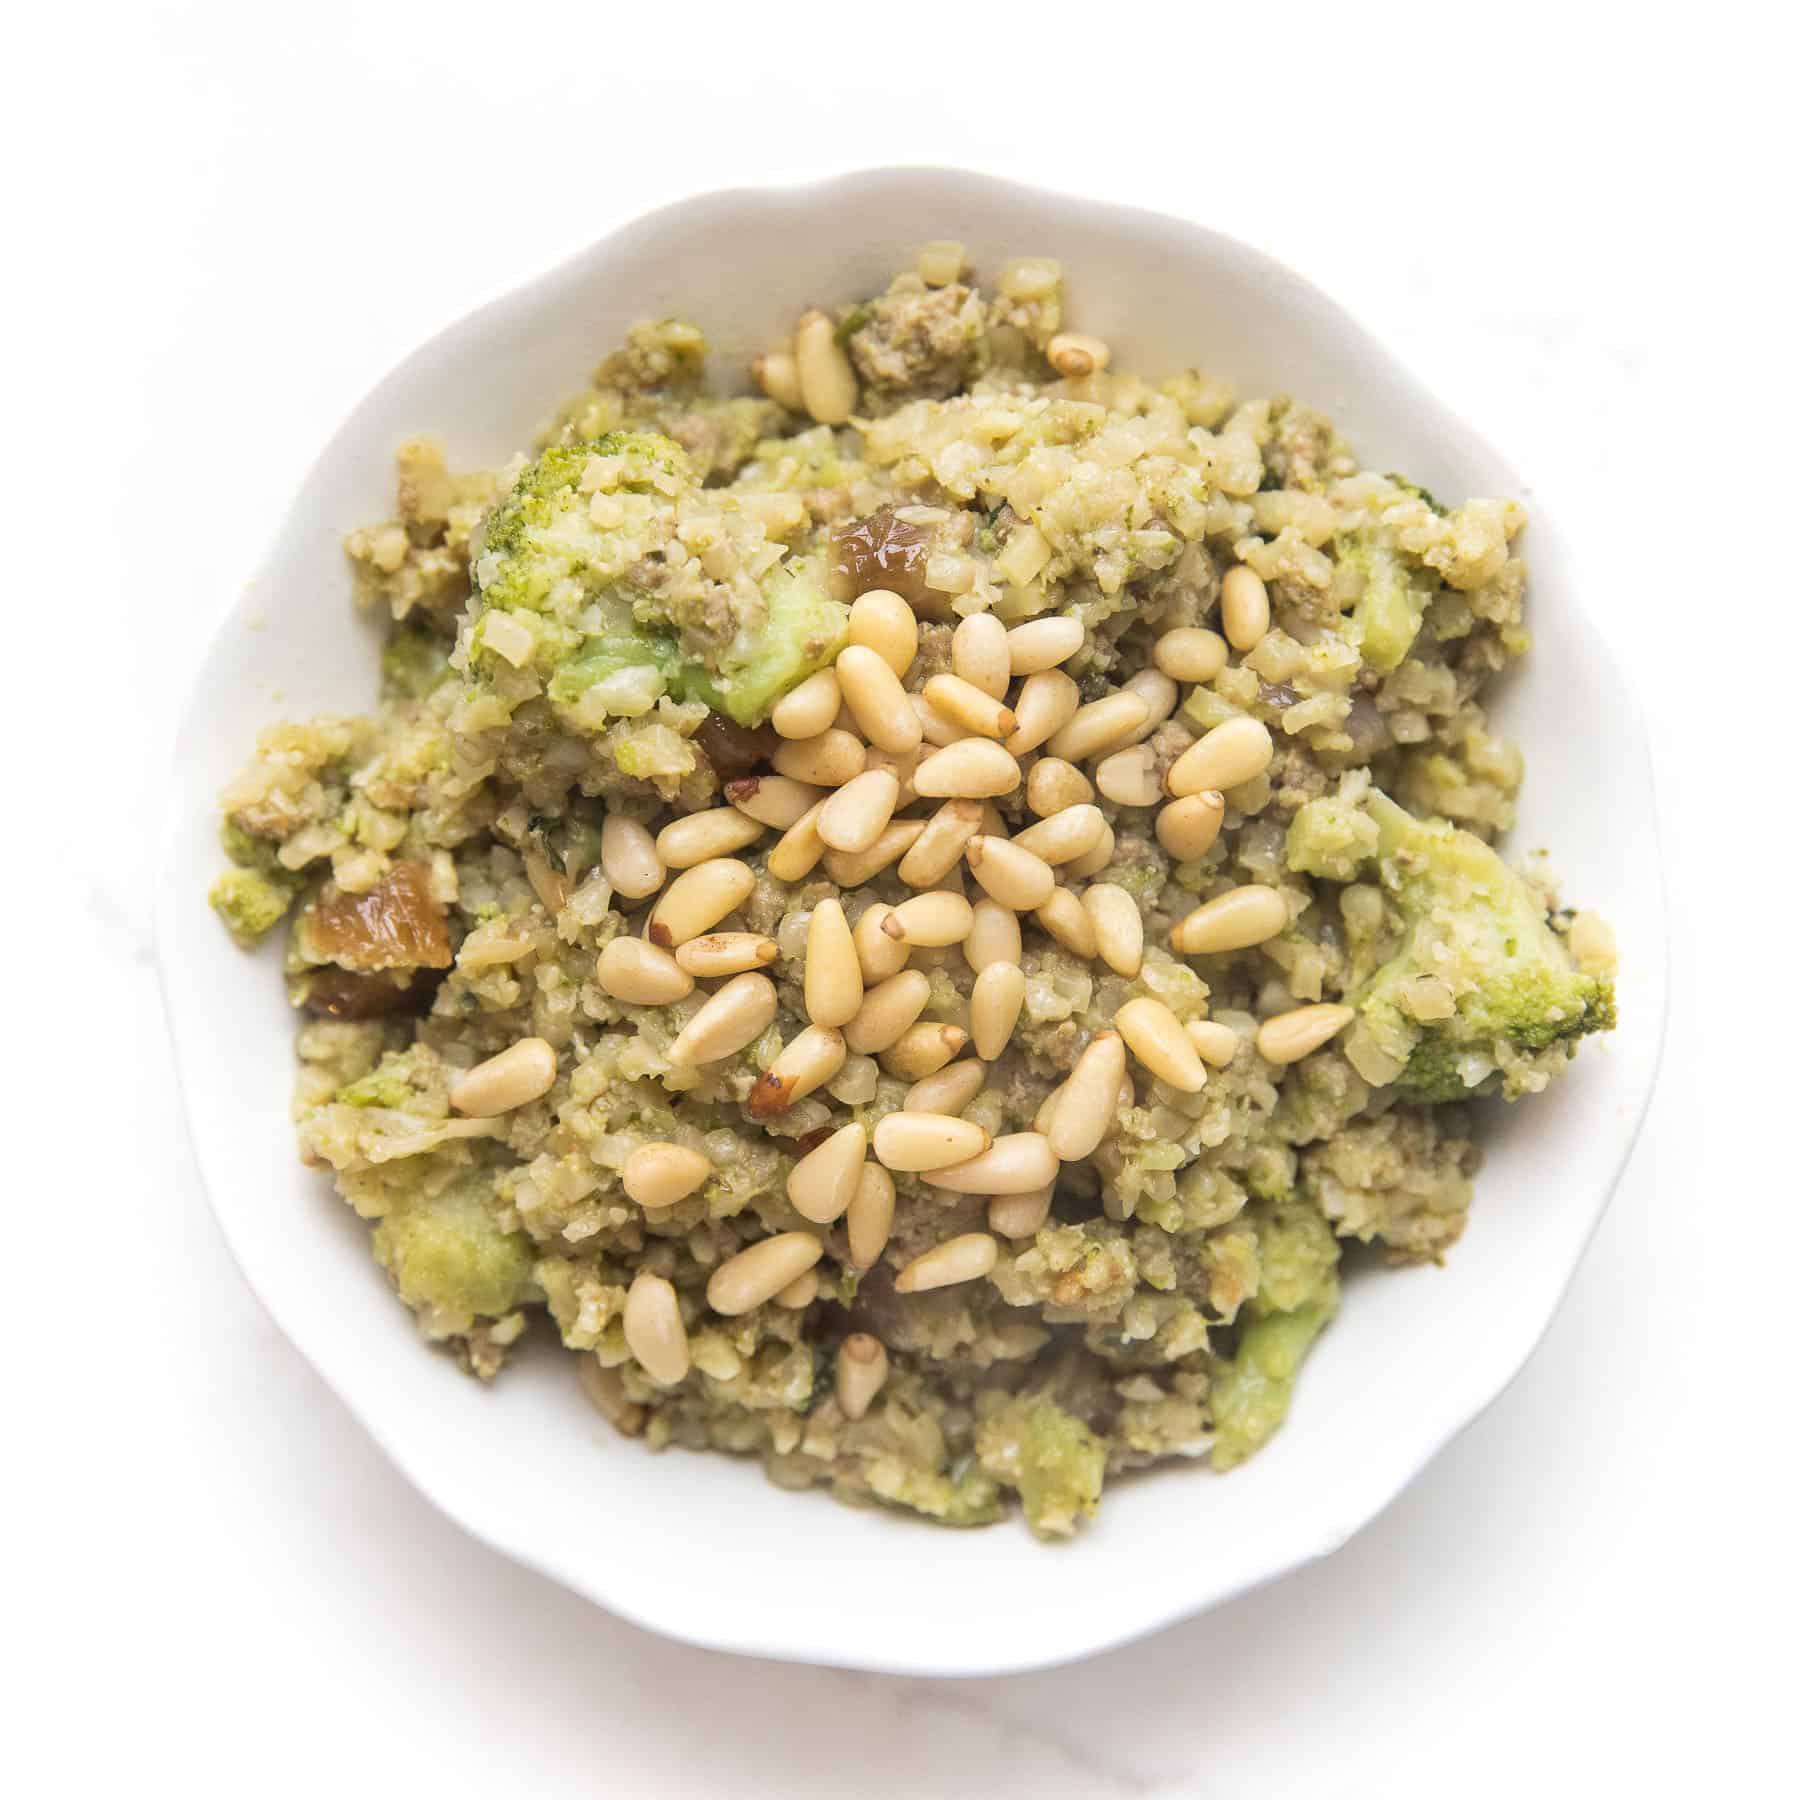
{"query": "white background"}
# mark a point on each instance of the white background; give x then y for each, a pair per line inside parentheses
(226, 220)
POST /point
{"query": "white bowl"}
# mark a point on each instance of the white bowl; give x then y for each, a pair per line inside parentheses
(701, 1547)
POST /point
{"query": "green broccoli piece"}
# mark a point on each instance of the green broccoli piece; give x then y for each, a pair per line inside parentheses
(1390, 597)
(1331, 837)
(1252, 1391)
(451, 1262)
(1054, 1461)
(251, 903)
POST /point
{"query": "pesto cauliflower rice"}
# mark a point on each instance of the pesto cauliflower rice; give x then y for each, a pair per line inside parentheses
(914, 914)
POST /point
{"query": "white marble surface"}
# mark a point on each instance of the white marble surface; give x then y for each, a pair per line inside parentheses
(213, 1573)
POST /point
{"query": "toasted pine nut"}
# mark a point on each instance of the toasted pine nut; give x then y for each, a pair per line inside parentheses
(808, 707)
(1288, 1036)
(888, 1011)
(876, 700)
(697, 899)
(1054, 784)
(1012, 876)
(858, 1374)
(1128, 777)
(1073, 354)
(980, 655)
(1065, 836)
(1157, 692)
(858, 813)
(881, 621)
(797, 853)
(1244, 607)
(605, 1390)
(919, 1141)
(800, 1293)
(822, 1183)
(773, 800)
(970, 769)
(934, 728)
(994, 1007)
(640, 974)
(715, 953)
(1020, 1215)
(932, 919)
(870, 1220)
(827, 381)
(833, 975)
(1043, 644)
(1066, 919)
(1100, 857)
(628, 858)
(879, 954)
(737, 1014)
(654, 1333)
(970, 707)
(1190, 653)
(939, 846)
(657, 1175)
(1187, 828)
(1229, 755)
(851, 868)
(1154, 1036)
(1217, 1043)
(807, 1061)
(1045, 704)
(1010, 1165)
(521, 1073)
(1118, 927)
(699, 837)
(828, 760)
(1100, 726)
(1089, 1098)
(760, 1273)
(993, 936)
(1233, 920)
(922, 1050)
(964, 1258)
(950, 1090)
(775, 374)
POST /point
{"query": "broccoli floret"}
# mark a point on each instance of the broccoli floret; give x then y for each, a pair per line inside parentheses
(1482, 994)
(1054, 1461)
(1251, 1392)
(451, 1262)
(250, 903)
(1388, 596)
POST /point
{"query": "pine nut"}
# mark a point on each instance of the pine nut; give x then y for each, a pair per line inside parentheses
(980, 655)
(821, 1185)
(860, 1371)
(658, 1175)
(808, 707)
(965, 1258)
(828, 760)
(1066, 919)
(736, 1015)
(993, 936)
(1128, 777)
(1045, 704)
(858, 813)
(950, 1090)
(888, 1011)
(654, 1333)
(1043, 643)
(1014, 877)
(1010, 1165)
(1154, 1036)
(968, 706)
(919, 1141)
(640, 974)
(605, 1391)
(827, 381)
(1086, 1105)
(697, 899)
(922, 1050)
(760, 1273)
(1118, 927)
(1064, 837)
(939, 846)
(1234, 920)
(1217, 1043)
(1100, 726)
(550, 886)
(797, 854)
(970, 769)
(1229, 755)
(881, 621)
(1100, 857)
(1054, 784)
(994, 1007)
(628, 858)
(774, 372)
(879, 954)
(715, 953)
(1020, 1215)
(934, 728)
(521, 1073)
(1190, 653)
(870, 1220)
(773, 800)
(701, 836)
(931, 920)
(1157, 692)
(1244, 607)
(1189, 827)
(800, 1293)
(833, 975)
(1288, 1036)
(1073, 355)
(807, 1061)
(851, 868)
(876, 700)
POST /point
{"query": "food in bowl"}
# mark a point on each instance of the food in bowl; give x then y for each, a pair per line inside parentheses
(914, 913)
